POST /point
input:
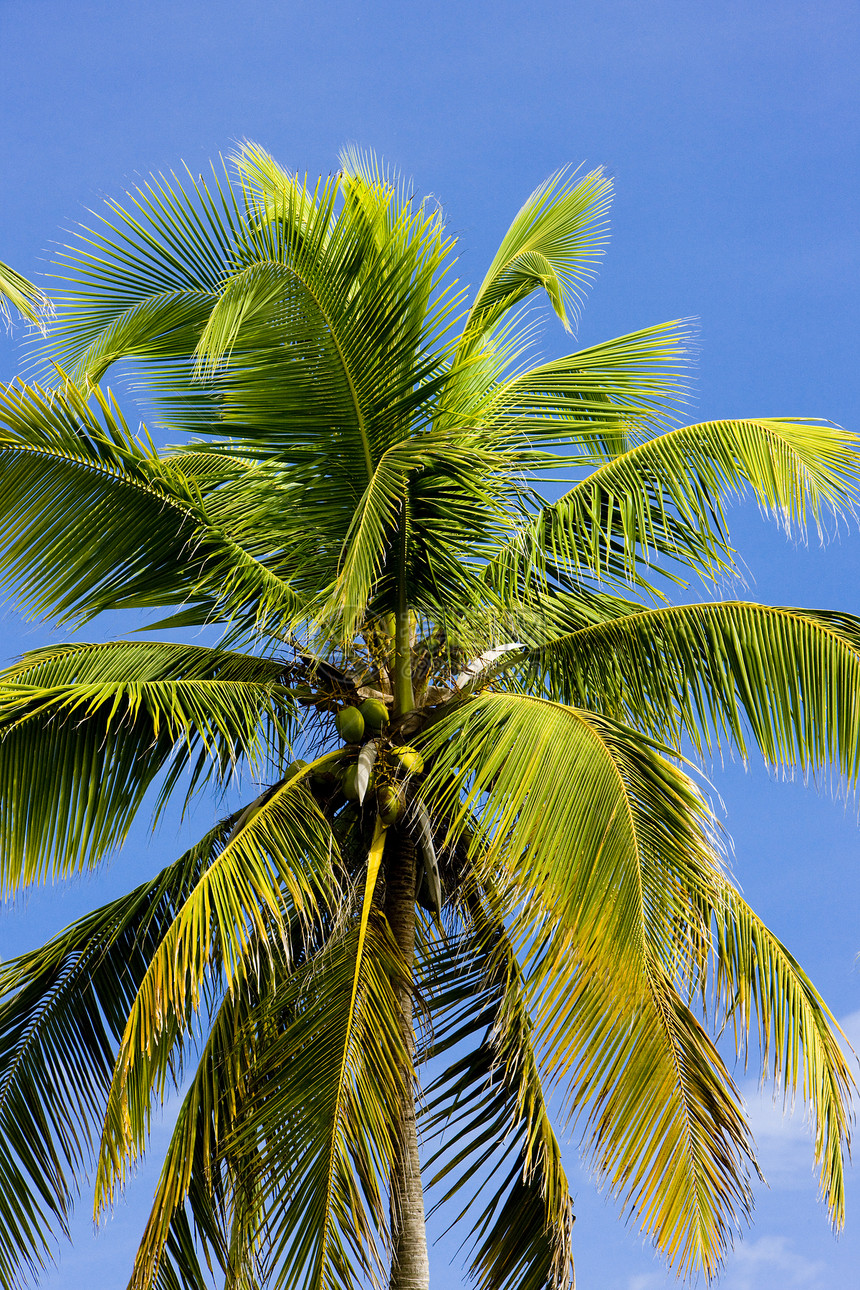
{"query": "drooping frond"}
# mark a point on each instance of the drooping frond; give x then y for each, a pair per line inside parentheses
(760, 985)
(323, 1109)
(497, 1152)
(207, 1183)
(607, 849)
(276, 866)
(664, 498)
(85, 730)
(93, 519)
(663, 1124)
(62, 1015)
(718, 673)
(585, 813)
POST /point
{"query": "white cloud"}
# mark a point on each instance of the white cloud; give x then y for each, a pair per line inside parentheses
(772, 1263)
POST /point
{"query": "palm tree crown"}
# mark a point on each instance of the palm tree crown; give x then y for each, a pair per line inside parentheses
(492, 871)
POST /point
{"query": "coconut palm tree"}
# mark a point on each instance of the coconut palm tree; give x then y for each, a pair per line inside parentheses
(492, 875)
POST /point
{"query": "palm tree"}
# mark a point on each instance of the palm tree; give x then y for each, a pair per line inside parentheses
(494, 868)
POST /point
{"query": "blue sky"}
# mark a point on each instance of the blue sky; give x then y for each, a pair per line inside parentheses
(731, 130)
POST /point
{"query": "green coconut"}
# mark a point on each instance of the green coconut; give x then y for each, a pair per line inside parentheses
(410, 759)
(350, 783)
(350, 725)
(390, 804)
(294, 768)
(375, 714)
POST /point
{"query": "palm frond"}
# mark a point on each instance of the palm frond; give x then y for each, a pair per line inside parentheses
(202, 1180)
(586, 814)
(502, 1153)
(608, 850)
(134, 283)
(85, 730)
(62, 1015)
(323, 1107)
(601, 400)
(152, 329)
(301, 341)
(722, 672)
(663, 1123)
(95, 520)
(552, 244)
(15, 291)
(276, 866)
(665, 498)
(429, 493)
(759, 981)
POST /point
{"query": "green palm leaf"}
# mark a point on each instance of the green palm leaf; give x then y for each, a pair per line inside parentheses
(323, 1107)
(156, 541)
(718, 673)
(276, 865)
(203, 1181)
(17, 292)
(663, 498)
(62, 1016)
(491, 1094)
(623, 862)
(86, 729)
(620, 872)
(601, 399)
(663, 1122)
(552, 244)
(149, 264)
(798, 1036)
(430, 493)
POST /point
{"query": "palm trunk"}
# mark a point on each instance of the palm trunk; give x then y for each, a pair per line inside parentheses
(410, 1268)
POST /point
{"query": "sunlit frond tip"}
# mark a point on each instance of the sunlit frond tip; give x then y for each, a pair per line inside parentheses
(17, 293)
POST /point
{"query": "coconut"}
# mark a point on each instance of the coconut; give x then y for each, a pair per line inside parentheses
(410, 759)
(350, 783)
(350, 725)
(390, 804)
(294, 768)
(375, 714)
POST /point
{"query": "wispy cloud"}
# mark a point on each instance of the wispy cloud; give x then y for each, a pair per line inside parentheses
(648, 1281)
(772, 1263)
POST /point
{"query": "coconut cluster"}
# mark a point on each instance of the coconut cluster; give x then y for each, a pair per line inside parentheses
(371, 771)
(386, 769)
